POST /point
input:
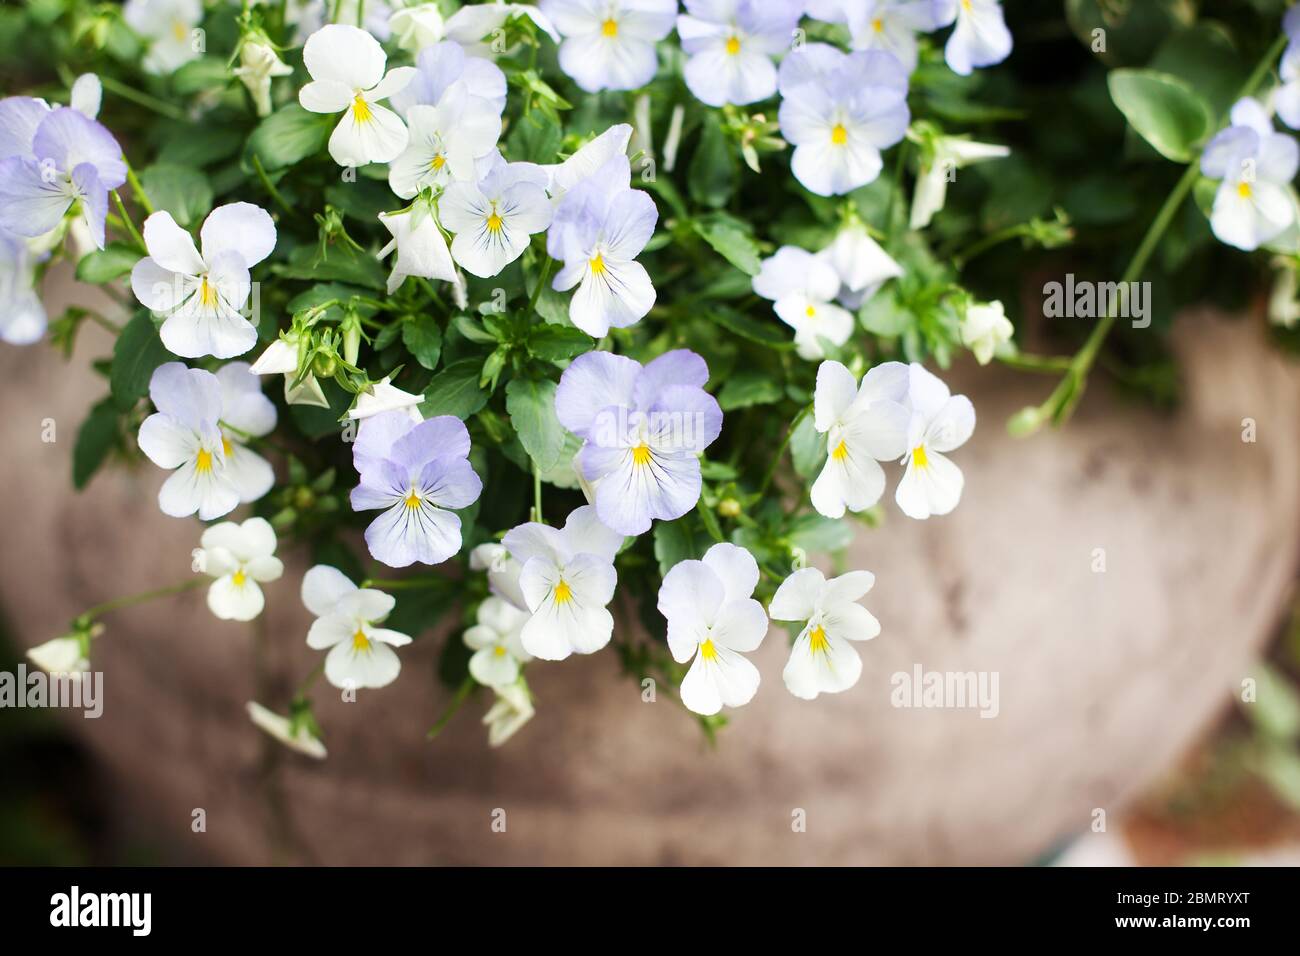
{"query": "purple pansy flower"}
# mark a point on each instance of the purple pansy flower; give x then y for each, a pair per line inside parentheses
(644, 429)
(415, 471)
(53, 160)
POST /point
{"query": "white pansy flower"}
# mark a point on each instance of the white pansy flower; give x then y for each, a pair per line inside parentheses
(1255, 202)
(296, 735)
(610, 44)
(477, 26)
(941, 422)
(281, 358)
(502, 572)
(245, 414)
(497, 643)
(360, 654)
(980, 37)
(803, 288)
(383, 396)
(890, 26)
(730, 45)
(860, 262)
(258, 65)
(591, 156)
(984, 329)
(420, 245)
(63, 655)
(202, 293)
(417, 26)
(347, 70)
(863, 425)
(169, 26)
(950, 154)
(240, 557)
(567, 578)
(822, 660)
(87, 95)
(22, 316)
(494, 219)
(512, 709)
(713, 619)
(446, 141)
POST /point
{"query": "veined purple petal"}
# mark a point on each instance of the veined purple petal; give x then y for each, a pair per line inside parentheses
(441, 437)
(630, 494)
(449, 483)
(94, 199)
(19, 118)
(382, 485)
(594, 381)
(678, 367)
(405, 535)
(70, 139)
(376, 436)
(684, 417)
(30, 203)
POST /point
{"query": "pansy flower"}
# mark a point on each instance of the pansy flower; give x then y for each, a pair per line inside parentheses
(295, 732)
(803, 288)
(447, 141)
(53, 162)
(590, 157)
(823, 659)
(946, 154)
(1254, 203)
(185, 437)
(984, 329)
(644, 428)
(610, 44)
(494, 219)
(839, 111)
(497, 643)
(347, 71)
(246, 414)
(416, 473)
(240, 557)
(712, 622)
(22, 316)
(941, 422)
(477, 26)
(168, 25)
(446, 67)
(202, 293)
(347, 617)
(600, 227)
(567, 578)
(864, 425)
(512, 708)
(730, 45)
(980, 37)
(420, 245)
(862, 265)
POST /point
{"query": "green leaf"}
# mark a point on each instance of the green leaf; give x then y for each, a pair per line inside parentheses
(764, 333)
(734, 245)
(136, 354)
(103, 265)
(455, 391)
(201, 75)
(98, 435)
(182, 190)
(535, 139)
(884, 315)
(711, 178)
(342, 264)
(557, 343)
(816, 533)
(676, 541)
(807, 448)
(290, 135)
(1162, 109)
(531, 404)
(749, 387)
(423, 338)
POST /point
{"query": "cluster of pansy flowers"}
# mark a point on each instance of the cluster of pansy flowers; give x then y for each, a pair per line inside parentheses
(640, 429)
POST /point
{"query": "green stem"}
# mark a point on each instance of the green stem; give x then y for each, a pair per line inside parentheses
(130, 226)
(143, 99)
(310, 679)
(462, 694)
(118, 603)
(776, 459)
(103, 322)
(986, 243)
(541, 281)
(137, 190)
(270, 186)
(537, 496)
(1027, 362)
(403, 584)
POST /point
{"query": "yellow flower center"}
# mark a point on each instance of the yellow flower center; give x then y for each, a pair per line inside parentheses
(563, 593)
(1244, 190)
(207, 294)
(359, 641)
(494, 222)
(226, 447)
(203, 463)
(810, 311)
(708, 651)
(733, 46)
(361, 109)
(817, 642)
(965, 4)
(919, 457)
(499, 651)
(878, 25)
(438, 161)
(597, 264)
(413, 500)
(841, 452)
(839, 135)
(641, 454)
(238, 578)
(609, 27)
(180, 30)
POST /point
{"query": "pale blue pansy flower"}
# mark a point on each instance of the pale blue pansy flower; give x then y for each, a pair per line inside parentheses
(644, 428)
(730, 45)
(494, 219)
(1254, 203)
(22, 316)
(610, 44)
(417, 473)
(888, 25)
(169, 27)
(347, 617)
(839, 111)
(980, 36)
(1286, 99)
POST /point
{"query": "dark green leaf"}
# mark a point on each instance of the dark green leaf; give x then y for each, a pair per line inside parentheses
(531, 404)
(749, 387)
(136, 354)
(676, 541)
(455, 391)
(423, 337)
(558, 343)
(290, 135)
(103, 265)
(732, 244)
(1162, 109)
(807, 448)
(765, 333)
(98, 435)
(181, 190)
(711, 178)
